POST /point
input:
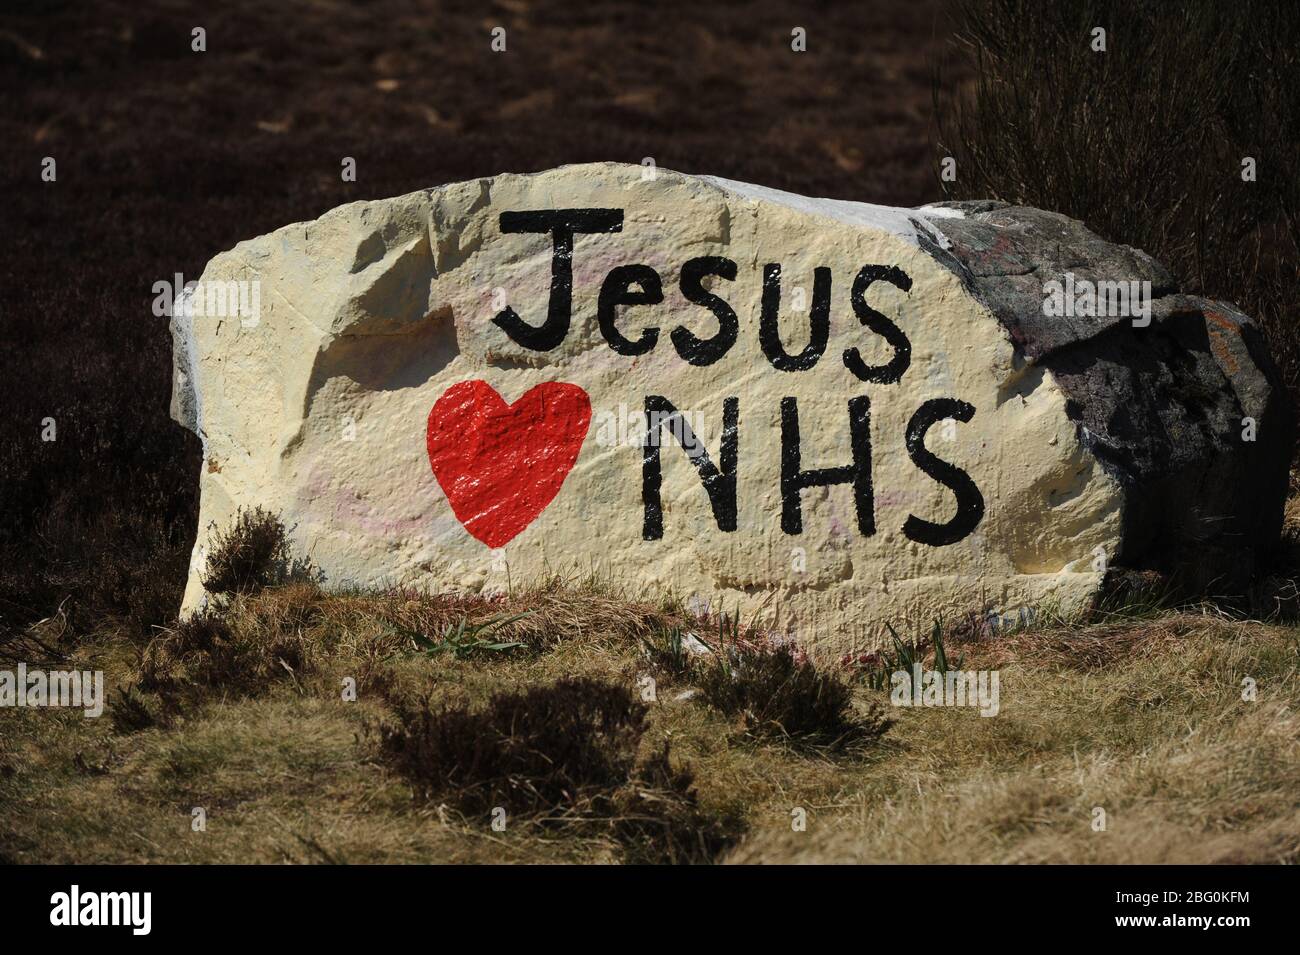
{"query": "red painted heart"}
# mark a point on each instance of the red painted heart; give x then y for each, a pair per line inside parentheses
(500, 465)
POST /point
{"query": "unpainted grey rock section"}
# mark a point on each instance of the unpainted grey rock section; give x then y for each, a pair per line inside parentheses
(1162, 407)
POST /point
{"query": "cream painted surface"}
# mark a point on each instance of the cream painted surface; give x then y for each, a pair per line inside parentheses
(370, 313)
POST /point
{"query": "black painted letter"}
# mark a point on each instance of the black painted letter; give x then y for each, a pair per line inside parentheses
(892, 372)
(615, 291)
(720, 484)
(706, 351)
(970, 503)
(819, 320)
(794, 479)
(562, 224)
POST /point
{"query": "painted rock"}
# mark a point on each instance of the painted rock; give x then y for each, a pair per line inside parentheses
(831, 414)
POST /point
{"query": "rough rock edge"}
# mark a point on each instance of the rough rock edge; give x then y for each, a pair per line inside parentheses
(1198, 498)
(185, 407)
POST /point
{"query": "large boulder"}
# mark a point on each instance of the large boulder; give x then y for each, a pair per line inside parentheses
(831, 414)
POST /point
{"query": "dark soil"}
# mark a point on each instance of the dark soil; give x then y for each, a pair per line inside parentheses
(166, 156)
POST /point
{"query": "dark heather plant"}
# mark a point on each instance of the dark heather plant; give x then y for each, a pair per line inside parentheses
(130, 712)
(249, 555)
(556, 753)
(545, 749)
(781, 696)
(1150, 142)
(657, 817)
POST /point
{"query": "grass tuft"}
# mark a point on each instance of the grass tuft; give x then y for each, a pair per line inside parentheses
(130, 712)
(780, 695)
(207, 650)
(251, 554)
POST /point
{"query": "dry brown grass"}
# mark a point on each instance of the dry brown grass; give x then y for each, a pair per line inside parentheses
(1116, 642)
(1144, 718)
(1146, 722)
